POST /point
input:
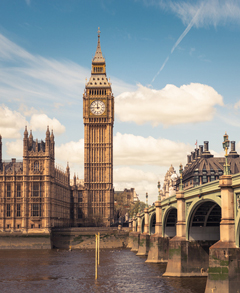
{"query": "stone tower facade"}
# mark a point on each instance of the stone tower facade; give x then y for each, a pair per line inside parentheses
(34, 193)
(98, 117)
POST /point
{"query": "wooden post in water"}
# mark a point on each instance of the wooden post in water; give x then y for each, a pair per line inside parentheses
(96, 257)
(98, 248)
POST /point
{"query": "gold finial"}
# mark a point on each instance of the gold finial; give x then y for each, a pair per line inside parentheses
(99, 31)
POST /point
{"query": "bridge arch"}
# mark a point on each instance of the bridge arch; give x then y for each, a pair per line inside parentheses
(169, 222)
(152, 223)
(136, 226)
(142, 224)
(203, 222)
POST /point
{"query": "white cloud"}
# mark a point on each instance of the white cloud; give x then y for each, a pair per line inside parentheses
(41, 121)
(213, 12)
(172, 105)
(72, 152)
(11, 123)
(26, 111)
(135, 178)
(237, 105)
(137, 150)
(15, 148)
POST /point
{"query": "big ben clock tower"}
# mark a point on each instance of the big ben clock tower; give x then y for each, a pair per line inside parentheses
(98, 117)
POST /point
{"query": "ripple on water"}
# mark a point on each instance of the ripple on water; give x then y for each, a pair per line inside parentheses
(64, 271)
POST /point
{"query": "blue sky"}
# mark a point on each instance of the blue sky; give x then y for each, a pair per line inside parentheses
(174, 68)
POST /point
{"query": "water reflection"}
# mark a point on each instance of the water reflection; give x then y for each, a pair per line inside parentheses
(64, 271)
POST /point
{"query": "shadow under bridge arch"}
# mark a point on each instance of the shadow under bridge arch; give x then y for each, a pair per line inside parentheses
(169, 223)
(152, 223)
(204, 222)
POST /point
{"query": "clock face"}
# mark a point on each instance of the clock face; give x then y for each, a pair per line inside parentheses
(97, 107)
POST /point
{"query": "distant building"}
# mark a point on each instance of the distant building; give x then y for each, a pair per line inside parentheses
(123, 201)
(202, 167)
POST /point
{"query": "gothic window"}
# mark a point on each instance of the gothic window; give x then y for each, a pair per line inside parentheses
(79, 196)
(204, 179)
(80, 213)
(36, 210)
(18, 190)
(18, 210)
(36, 189)
(8, 190)
(8, 210)
(36, 166)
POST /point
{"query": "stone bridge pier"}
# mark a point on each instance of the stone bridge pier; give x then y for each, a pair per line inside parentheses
(144, 238)
(224, 257)
(158, 245)
(135, 234)
(185, 258)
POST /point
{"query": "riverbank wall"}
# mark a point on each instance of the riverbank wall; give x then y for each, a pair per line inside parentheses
(18, 240)
(84, 238)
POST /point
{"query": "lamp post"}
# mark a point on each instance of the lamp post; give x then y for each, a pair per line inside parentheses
(159, 186)
(225, 147)
(180, 171)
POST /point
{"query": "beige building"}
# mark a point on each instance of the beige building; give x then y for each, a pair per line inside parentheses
(35, 195)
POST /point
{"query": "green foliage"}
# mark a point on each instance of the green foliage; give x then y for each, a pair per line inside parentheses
(138, 206)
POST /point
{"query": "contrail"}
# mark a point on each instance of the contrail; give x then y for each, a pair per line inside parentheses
(190, 25)
(160, 69)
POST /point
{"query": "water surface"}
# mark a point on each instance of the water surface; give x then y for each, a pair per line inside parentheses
(65, 271)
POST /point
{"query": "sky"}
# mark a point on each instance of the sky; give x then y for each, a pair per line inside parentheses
(174, 68)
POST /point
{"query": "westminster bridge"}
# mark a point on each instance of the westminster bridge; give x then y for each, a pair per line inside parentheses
(196, 231)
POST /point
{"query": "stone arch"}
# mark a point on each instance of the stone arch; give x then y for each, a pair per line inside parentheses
(142, 224)
(169, 222)
(204, 221)
(237, 237)
(152, 223)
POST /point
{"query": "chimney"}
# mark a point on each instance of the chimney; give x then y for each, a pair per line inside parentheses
(206, 153)
(205, 146)
(196, 153)
(192, 156)
(233, 153)
(233, 146)
(200, 150)
(188, 159)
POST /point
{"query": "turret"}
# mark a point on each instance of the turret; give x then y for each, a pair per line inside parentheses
(47, 140)
(68, 173)
(0, 149)
(52, 144)
(74, 180)
(25, 142)
(30, 140)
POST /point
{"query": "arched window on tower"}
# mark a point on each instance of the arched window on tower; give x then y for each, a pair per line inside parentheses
(36, 166)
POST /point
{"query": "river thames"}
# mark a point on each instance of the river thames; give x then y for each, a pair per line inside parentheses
(73, 271)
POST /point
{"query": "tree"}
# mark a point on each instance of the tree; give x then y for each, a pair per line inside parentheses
(139, 205)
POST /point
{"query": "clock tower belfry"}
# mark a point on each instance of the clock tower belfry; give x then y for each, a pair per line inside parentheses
(98, 118)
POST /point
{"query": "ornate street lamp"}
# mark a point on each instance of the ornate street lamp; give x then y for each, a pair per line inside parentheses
(159, 186)
(146, 199)
(226, 143)
(180, 171)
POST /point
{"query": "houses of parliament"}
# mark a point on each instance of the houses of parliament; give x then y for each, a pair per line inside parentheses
(35, 195)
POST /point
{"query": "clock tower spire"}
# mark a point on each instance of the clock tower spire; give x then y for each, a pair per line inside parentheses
(98, 117)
